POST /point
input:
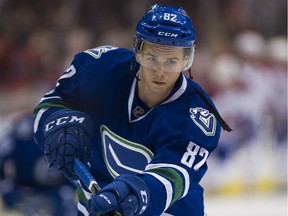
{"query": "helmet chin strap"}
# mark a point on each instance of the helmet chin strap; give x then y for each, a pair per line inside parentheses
(133, 69)
(190, 74)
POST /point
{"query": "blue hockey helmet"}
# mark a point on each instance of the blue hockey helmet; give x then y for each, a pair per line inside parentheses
(167, 26)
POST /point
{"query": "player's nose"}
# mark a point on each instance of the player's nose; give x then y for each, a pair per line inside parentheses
(160, 69)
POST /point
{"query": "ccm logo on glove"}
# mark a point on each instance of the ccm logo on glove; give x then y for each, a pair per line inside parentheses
(105, 198)
(144, 200)
(63, 120)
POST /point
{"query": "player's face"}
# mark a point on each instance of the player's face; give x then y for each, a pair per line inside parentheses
(159, 80)
(164, 58)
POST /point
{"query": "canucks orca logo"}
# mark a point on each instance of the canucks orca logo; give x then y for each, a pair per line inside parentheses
(98, 51)
(204, 120)
(120, 154)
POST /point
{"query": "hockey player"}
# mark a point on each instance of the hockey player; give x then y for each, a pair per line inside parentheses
(143, 129)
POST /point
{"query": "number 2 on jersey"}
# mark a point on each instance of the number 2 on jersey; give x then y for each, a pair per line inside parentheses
(190, 155)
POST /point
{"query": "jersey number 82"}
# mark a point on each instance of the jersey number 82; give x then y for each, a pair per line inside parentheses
(190, 155)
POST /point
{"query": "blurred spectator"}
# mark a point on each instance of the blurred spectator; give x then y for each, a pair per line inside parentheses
(249, 91)
(28, 186)
(34, 37)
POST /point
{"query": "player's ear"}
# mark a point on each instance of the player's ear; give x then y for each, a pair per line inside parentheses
(137, 56)
(186, 61)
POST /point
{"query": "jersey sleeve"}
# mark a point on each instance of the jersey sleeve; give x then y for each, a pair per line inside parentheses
(61, 97)
(183, 148)
(69, 91)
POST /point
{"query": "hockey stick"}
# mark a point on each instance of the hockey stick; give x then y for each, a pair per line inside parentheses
(90, 182)
(85, 176)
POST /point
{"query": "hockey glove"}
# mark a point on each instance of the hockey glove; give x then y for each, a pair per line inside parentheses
(68, 135)
(127, 194)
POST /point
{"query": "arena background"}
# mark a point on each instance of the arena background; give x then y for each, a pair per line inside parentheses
(241, 60)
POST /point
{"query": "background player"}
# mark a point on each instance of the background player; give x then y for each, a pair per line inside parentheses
(146, 137)
(28, 186)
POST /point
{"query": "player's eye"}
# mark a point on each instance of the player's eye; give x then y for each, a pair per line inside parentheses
(171, 62)
(151, 58)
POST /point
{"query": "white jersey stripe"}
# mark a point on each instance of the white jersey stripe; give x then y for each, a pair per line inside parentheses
(48, 98)
(82, 209)
(38, 117)
(168, 187)
(180, 169)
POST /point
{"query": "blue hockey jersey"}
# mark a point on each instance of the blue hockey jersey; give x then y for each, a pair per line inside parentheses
(167, 146)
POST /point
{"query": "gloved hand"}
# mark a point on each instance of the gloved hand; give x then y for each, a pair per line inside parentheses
(127, 194)
(68, 135)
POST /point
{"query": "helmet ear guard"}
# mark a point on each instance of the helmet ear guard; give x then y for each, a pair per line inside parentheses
(190, 53)
(137, 44)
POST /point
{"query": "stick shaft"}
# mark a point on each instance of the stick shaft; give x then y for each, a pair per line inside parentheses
(85, 176)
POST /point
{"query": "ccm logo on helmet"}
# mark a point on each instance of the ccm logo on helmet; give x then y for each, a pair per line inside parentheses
(167, 34)
(63, 120)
